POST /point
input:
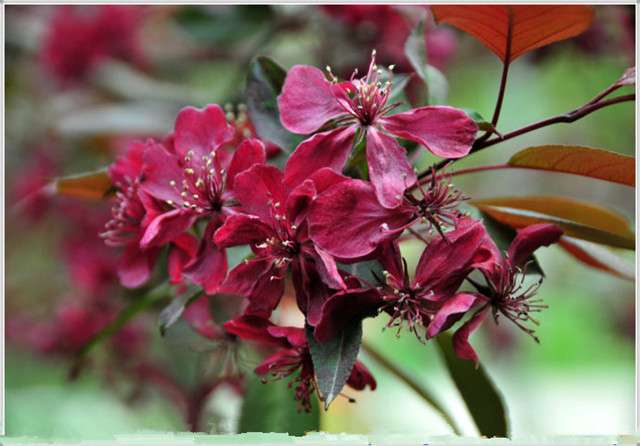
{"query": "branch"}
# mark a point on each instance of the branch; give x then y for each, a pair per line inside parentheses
(569, 117)
(409, 381)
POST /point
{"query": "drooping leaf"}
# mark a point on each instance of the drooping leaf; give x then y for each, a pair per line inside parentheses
(520, 218)
(91, 185)
(578, 160)
(334, 360)
(503, 235)
(271, 407)
(174, 310)
(264, 84)
(533, 26)
(598, 257)
(416, 50)
(480, 395)
(578, 211)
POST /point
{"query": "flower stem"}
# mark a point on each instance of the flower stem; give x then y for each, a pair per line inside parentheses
(409, 381)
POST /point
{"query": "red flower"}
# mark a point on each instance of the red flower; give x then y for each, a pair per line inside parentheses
(504, 292)
(291, 356)
(130, 218)
(191, 179)
(273, 223)
(442, 268)
(360, 110)
(348, 221)
(80, 38)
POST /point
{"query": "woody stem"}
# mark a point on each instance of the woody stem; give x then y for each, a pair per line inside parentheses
(409, 381)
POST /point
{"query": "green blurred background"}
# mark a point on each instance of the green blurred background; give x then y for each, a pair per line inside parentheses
(578, 380)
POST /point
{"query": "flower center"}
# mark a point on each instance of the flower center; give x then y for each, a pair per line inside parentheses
(515, 300)
(202, 184)
(126, 215)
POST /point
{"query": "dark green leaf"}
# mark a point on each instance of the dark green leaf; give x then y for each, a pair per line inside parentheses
(334, 360)
(416, 50)
(483, 400)
(271, 407)
(364, 270)
(174, 310)
(480, 121)
(264, 83)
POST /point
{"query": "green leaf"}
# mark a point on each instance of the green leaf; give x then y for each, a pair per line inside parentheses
(437, 85)
(481, 397)
(264, 83)
(271, 407)
(416, 50)
(366, 270)
(174, 310)
(480, 121)
(334, 360)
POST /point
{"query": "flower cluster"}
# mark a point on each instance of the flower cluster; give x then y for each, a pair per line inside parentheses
(208, 187)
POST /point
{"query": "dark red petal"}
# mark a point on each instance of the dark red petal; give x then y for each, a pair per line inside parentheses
(128, 166)
(210, 266)
(450, 312)
(445, 131)
(294, 335)
(461, 337)
(259, 281)
(344, 308)
(445, 262)
(299, 200)
(283, 357)
(389, 170)
(348, 222)
(201, 130)
(241, 229)
(327, 149)
(250, 152)
(253, 328)
(182, 252)
(327, 268)
(325, 178)
(258, 189)
(311, 291)
(306, 101)
(391, 260)
(531, 238)
(361, 377)
(135, 266)
(161, 170)
(166, 227)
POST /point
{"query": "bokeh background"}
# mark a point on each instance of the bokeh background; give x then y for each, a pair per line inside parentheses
(82, 82)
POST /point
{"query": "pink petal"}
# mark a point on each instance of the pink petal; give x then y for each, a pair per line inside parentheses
(250, 152)
(445, 131)
(348, 222)
(136, 265)
(461, 337)
(452, 310)
(326, 177)
(327, 268)
(445, 263)
(182, 252)
(531, 238)
(253, 328)
(389, 170)
(210, 266)
(258, 189)
(241, 229)
(327, 149)
(161, 170)
(198, 316)
(166, 227)
(311, 291)
(201, 130)
(306, 101)
(129, 165)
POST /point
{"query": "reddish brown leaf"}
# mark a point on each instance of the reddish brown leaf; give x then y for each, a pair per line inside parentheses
(585, 161)
(598, 257)
(533, 26)
(92, 185)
